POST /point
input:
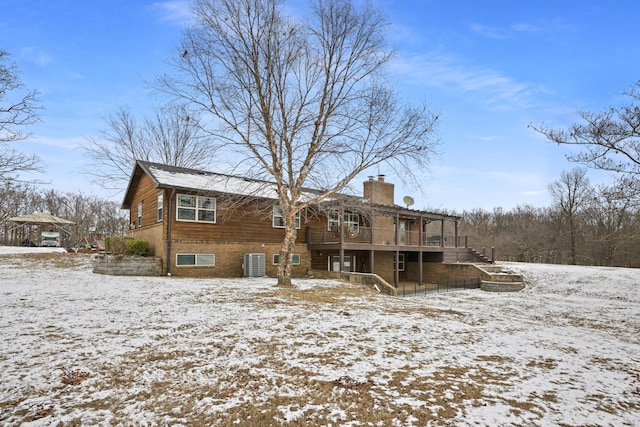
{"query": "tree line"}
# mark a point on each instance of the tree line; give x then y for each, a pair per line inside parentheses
(308, 103)
(88, 212)
(585, 224)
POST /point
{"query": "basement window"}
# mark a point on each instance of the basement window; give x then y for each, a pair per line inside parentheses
(295, 259)
(195, 260)
(400, 261)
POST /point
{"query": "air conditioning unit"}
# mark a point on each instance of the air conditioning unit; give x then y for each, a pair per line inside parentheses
(254, 265)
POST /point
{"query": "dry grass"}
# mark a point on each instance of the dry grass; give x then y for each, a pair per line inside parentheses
(206, 373)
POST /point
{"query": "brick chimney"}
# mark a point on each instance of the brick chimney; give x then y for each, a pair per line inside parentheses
(378, 191)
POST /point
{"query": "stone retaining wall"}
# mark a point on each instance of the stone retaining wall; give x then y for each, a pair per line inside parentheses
(367, 279)
(127, 265)
(501, 286)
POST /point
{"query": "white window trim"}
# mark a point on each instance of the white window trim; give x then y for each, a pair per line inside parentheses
(196, 209)
(277, 213)
(197, 258)
(333, 220)
(350, 219)
(160, 207)
(401, 263)
(139, 221)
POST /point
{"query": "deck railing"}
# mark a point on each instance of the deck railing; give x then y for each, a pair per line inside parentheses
(380, 236)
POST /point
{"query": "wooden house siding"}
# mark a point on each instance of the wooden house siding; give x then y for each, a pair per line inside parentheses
(383, 229)
(147, 194)
(235, 233)
(251, 223)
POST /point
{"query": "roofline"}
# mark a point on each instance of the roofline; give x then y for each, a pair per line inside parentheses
(145, 166)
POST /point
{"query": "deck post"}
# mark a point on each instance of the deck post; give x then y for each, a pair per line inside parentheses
(396, 278)
(420, 267)
(341, 250)
(456, 233)
(371, 261)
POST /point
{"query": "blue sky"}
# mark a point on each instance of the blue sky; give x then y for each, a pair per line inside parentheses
(488, 68)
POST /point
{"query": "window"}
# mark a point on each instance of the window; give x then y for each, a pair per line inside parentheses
(278, 218)
(352, 221)
(202, 260)
(400, 261)
(295, 259)
(333, 220)
(139, 214)
(346, 261)
(196, 208)
(349, 219)
(160, 206)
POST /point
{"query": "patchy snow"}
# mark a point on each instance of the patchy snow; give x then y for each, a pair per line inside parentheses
(85, 349)
(4, 250)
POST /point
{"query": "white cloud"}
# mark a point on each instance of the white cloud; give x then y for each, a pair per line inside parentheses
(542, 27)
(36, 56)
(490, 32)
(445, 71)
(174, 11)
(70, 143)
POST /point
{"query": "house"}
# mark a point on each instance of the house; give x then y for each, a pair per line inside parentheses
(209, 225)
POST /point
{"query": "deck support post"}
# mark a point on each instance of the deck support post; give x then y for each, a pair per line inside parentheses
(420, 268)
(456, 234)
(396, 277)
(341, 250)
(371, 261)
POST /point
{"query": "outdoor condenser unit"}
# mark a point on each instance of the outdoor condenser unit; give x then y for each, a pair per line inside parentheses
(254, 265)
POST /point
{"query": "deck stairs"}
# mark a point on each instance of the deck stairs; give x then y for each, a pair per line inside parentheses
(498, 278)
(482, 258)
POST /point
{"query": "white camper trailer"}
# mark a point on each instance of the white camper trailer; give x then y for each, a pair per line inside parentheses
(50, 238)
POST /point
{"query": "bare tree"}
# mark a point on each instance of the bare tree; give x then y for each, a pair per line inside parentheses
(301, 102)
(570, 193)
(16, 198)
(611, 224)
(18, 110)
(172, 136)
(610, 139)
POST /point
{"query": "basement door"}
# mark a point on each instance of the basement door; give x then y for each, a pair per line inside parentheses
(334, 263)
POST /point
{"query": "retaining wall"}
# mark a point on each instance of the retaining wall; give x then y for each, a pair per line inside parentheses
(127, 265)
(367, 279)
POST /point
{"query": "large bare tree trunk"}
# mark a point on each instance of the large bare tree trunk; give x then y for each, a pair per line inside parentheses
(286, 253)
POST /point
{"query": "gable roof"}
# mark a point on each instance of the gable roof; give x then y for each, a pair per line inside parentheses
(195, 180)
(186, 179)
(40, 219)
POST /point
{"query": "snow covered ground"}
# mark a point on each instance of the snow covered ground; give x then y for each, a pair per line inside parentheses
(83, 349)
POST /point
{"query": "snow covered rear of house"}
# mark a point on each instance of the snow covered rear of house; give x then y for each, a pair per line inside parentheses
(98, 350)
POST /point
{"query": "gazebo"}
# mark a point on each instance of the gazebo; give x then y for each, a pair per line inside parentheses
(41, 220)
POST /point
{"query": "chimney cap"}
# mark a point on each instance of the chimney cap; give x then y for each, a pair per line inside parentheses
(381, 177)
